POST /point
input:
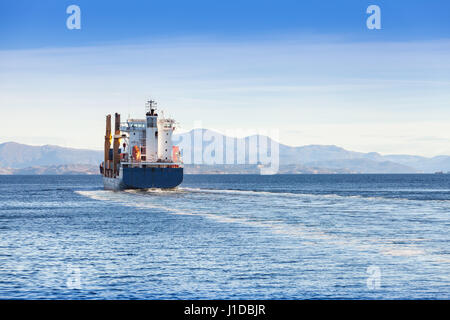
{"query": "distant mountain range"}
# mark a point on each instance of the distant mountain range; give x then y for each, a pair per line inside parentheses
(58, 170)
(18, 158)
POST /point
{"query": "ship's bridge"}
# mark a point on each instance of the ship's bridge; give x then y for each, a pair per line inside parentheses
(133, 125)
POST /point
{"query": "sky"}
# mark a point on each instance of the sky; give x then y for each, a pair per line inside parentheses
(310, 70)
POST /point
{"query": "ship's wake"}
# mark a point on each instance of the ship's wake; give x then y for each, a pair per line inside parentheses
(199, 203)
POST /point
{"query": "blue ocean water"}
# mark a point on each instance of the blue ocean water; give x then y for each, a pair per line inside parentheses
(227, 237)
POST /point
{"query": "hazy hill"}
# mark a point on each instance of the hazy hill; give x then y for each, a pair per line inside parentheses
(18, 158)
(438, 163)
(16, 155)
(330, 158)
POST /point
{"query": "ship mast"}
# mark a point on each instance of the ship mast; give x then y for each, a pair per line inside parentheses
(151, 108)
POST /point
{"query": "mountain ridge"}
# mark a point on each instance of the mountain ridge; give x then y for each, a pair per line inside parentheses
(16, 157)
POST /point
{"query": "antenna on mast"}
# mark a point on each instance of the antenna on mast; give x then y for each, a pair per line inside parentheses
(151, 107)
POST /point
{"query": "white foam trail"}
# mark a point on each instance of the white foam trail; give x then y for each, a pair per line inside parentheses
(305, 233)
(113, 197)
(403, 252)
(300, 195)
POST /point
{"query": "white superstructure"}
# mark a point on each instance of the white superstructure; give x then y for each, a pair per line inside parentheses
(151, 151)
(165, 129)
(136, 135)
(151, 136)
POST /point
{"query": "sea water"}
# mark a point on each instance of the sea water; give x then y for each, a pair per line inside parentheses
(227, 237)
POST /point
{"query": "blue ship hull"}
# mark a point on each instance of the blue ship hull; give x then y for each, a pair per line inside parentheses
(145, 178)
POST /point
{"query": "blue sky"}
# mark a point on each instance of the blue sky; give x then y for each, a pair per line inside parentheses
(310, 69)
(28, 24)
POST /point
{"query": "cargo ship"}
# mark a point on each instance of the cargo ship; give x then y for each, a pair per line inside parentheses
(142, 155)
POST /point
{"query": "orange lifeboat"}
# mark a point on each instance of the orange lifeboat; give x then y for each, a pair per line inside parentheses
(136, 153)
